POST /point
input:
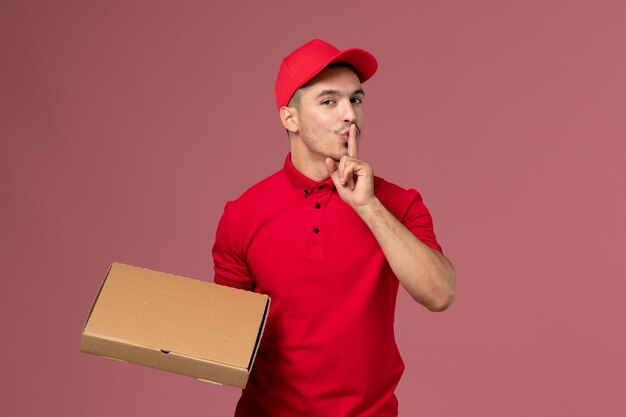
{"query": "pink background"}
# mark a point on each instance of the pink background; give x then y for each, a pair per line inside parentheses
(126, 126)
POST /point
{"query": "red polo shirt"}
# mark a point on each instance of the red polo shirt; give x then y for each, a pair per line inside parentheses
(328, 347)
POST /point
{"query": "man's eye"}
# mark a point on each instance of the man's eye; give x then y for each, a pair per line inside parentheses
(357, 100)
(328, 102)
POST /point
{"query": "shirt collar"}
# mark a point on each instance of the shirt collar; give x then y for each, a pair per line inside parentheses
(305, 186)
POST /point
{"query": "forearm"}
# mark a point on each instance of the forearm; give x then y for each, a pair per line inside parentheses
(424, 272)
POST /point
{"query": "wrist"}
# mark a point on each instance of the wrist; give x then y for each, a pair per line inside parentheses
(369, 208)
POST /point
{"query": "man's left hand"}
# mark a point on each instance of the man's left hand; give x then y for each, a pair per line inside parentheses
(353, 178)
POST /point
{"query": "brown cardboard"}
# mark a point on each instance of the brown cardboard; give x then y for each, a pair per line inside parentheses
(177, 324)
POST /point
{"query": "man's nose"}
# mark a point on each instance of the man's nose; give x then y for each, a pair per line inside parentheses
(348, 112)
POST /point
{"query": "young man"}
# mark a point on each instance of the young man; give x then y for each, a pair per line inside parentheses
(329, 243)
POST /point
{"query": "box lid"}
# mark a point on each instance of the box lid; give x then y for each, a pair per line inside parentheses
(170, 313)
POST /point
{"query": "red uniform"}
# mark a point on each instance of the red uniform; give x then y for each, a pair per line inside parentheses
(328, 347)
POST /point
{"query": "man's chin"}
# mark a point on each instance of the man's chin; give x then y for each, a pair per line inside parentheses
(337, 156)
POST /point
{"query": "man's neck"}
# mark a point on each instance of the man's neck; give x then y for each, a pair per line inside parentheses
(310, 165)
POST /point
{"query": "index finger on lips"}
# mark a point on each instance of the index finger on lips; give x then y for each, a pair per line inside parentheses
(353, 142)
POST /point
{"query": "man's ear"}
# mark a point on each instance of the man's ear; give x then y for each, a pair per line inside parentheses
(289, 117)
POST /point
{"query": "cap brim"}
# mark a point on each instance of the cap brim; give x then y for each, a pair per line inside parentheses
(362, 61)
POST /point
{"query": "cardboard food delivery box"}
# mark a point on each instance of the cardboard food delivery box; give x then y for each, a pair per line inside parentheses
(177, 324)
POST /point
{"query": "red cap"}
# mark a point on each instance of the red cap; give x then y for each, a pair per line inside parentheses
(300, 66)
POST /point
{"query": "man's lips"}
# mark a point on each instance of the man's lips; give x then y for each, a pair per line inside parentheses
(347, 131)
(345, 134)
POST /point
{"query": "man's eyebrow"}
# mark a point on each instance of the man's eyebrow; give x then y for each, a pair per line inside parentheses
(337, 92)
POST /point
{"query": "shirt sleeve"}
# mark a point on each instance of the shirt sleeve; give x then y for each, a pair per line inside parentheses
(418, 220)
(229, 261)
(409, 208)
